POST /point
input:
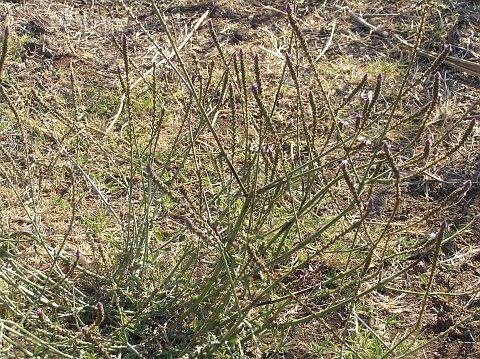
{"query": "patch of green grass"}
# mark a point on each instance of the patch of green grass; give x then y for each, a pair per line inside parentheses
(62, 202)
(99, 103)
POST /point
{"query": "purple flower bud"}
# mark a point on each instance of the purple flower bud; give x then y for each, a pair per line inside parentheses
(235, 56)
(342, 124)
(256, 57)
(448, 48)
(78, 254)
(99, 306)
(438, 76)
(379, 77)
(39, 312)
(364, 141)
(289, 8)
(266, 149)
(149, 170)
(85, 330)
(344, 164)
(467, 185)
(254, 89)
(370, 206)
(444, 225)
(386, 147)
(188, 222)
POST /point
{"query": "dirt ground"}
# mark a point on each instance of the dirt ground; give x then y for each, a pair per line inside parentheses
(51, 40)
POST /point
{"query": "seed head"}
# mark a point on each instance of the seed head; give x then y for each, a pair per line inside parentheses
(100, 315)
(427, 148)
(358, 120)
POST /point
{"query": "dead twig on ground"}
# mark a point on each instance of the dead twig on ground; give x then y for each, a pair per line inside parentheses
(358, 18)
(468, 67)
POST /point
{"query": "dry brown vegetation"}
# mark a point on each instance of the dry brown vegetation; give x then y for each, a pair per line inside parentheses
(84, 221)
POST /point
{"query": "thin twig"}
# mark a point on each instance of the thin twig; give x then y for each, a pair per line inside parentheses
(358, 18)
(328, 43)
